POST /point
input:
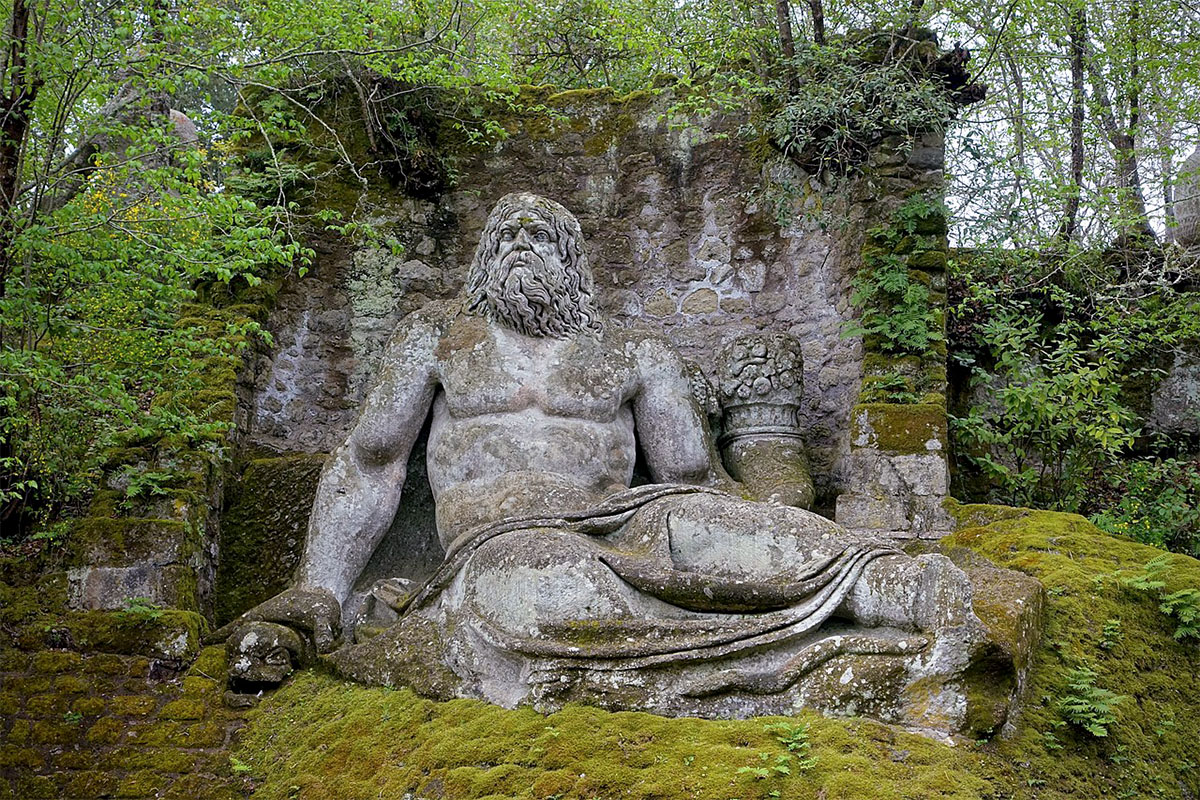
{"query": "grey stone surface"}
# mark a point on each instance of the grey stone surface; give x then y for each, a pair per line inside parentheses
(1187, 202)
(560, 582)
(1175, 402)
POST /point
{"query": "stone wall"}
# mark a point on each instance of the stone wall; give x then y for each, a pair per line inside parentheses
(679, 237)
(94, 725)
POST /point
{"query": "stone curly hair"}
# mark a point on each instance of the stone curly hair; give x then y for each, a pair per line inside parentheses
(557, 314)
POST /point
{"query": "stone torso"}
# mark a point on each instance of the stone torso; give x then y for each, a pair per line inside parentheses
(524, 425)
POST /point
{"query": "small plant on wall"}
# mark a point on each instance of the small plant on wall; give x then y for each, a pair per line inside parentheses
(898, 314)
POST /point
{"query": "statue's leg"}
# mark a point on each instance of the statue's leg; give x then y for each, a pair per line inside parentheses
(744, 540)
(524, 581)
(721, 535)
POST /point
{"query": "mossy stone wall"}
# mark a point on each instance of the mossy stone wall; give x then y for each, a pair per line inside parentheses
(86, 726)
(897, 472)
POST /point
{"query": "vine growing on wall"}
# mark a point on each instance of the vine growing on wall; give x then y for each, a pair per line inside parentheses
(897, 313)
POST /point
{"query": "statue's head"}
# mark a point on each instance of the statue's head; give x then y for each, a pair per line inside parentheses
(530, 271)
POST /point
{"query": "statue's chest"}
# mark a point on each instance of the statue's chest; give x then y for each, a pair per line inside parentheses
(563, 378)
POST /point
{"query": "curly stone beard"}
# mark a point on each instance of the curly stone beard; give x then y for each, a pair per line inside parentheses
(530, 295)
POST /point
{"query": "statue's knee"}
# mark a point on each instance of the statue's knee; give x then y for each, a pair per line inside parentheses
(945, 597)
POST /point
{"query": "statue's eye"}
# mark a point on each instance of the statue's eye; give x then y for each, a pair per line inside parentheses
(506, 236)
(542, 236)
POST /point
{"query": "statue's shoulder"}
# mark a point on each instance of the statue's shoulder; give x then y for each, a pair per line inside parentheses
(645, 343)
(429, 323)
(436, 314)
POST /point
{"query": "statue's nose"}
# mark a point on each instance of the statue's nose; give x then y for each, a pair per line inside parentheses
(522, 241)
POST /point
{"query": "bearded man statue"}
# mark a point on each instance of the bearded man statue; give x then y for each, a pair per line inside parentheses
(560, 581)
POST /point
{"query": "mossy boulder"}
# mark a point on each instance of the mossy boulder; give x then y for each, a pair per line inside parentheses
(320, 737)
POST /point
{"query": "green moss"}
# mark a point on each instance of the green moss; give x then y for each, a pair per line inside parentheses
(132, 705)
(184, 708)
(610, 131)
(978, 515)
(319, 737)
(89, 783)
(107, 730)
(88, 706)
(172, 634)
(262, 530)
(898, 428)
(210, 663)
(335, 740)
(56, 661)
(1147, 752)
(928, 260)
(124, 542)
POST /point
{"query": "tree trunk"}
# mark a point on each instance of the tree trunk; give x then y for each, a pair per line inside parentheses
(817, 7)
(1134, 223)
(787, 45)
(1076, 32)
(14, 127)
(15, 104)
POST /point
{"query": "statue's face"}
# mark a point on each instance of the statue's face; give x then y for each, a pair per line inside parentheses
(528, 249)
(525, 233)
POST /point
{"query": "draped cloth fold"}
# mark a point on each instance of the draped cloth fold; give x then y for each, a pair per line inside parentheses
(713, 617)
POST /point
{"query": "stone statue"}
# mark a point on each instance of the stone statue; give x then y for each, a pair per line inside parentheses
(561, 582)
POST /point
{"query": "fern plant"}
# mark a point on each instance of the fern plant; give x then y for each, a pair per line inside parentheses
(1183, 607)
(1088, 706)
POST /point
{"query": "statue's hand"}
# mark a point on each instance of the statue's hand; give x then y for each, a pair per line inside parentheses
(265, 644)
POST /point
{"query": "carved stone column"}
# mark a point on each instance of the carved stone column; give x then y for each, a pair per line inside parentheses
(760, 382)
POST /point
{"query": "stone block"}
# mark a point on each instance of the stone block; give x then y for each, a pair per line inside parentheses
(105, 587)
(107, 730)
(182, 709)
(129, 705)
(88, 706)
(72, 684)
(872, 472)
(13, 661)
(91, 783)
(899, 429)
(56, 661)
(928, 152)
(58, 733)
(923, 474)
(866, 512)
(12, 757)
(46, 705)
(143, 783)
(123, 542)
(153, 733)
(202, 734)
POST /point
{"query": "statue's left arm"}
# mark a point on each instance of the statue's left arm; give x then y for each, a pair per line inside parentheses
(668, 423)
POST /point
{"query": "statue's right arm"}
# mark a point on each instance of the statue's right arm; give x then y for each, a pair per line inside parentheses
(360, 487)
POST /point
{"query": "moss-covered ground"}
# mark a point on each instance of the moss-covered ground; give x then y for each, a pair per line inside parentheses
(320, 737)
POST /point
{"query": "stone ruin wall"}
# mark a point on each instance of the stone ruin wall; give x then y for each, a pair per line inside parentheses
(679, 238)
